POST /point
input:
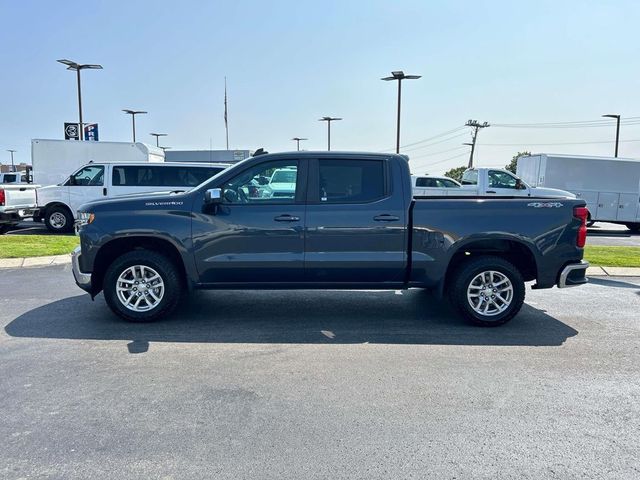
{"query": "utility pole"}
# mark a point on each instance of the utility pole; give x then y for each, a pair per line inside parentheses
(476, 126)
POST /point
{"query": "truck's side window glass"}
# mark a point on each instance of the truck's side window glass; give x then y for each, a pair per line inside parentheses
(270, 182)
(351, 181)
(425, 182)
(92, 175)
(498, 179)
(448, 183)
(470, 177)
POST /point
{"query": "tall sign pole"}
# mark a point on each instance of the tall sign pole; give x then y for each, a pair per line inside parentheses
(226, 120)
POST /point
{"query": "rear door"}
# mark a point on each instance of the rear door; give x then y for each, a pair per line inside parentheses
(607, 206)
(256, 236)
(356, 223)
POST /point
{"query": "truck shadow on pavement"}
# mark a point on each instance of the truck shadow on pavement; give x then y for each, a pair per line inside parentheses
(287, 317)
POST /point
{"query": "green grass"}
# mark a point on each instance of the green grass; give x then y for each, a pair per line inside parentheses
(612, 256)
(14, 246)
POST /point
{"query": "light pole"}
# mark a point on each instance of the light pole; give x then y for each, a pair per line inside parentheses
(329, 120)
(399, 76)
(13, 167)
(158, 135)
(617, 117)
(298, 140)
(133, 114)
(77, 67)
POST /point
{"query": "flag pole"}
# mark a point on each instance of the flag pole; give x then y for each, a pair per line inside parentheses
(226, 123)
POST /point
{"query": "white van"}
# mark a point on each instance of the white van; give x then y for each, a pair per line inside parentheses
(610, 186)
(57, 204)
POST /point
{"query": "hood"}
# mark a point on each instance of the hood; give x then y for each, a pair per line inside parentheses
(550, 192)
(135, 200)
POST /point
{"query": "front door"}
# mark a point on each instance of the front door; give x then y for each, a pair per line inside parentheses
(355, 222)
(85, 185)
(256, 236)
(502, 184)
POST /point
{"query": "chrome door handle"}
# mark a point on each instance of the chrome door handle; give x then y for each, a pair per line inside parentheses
(491, 191)
(385, 217)
(286, 218)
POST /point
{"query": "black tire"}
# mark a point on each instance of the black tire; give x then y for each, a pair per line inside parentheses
(465, 275)
(58, 219)
(634, 227)
(173, 286)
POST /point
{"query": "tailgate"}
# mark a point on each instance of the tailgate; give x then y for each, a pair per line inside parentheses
(19, 196)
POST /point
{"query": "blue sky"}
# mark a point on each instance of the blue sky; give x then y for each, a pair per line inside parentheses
(289, 63)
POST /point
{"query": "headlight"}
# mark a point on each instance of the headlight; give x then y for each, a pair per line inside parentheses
(85, 218)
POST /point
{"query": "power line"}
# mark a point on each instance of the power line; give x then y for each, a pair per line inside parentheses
(544, 144)
(575, 124)
(436, 143)
(433, 154)
(448, 132)
(422, 165)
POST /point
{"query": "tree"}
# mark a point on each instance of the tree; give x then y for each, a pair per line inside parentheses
(514, 161)
(456, 173)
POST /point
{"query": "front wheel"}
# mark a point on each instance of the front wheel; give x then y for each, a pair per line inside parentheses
(58, 220)
(488, 291)
(142, 286)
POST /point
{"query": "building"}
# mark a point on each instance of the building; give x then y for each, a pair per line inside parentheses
(20, 167)
(209, 156)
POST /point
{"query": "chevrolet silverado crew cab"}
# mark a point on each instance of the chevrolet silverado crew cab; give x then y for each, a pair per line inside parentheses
(347, 220)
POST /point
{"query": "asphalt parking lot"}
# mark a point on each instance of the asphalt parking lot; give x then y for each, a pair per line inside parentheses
(335, 384)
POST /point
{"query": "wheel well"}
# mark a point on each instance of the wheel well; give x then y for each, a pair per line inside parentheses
(51, 205)
(113, 249)
(514, 252)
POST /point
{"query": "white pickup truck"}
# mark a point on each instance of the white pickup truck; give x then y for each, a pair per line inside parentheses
(492, 182)
(16, 203)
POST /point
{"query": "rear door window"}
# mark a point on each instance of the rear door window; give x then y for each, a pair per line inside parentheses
(351, 181)
(426, 182)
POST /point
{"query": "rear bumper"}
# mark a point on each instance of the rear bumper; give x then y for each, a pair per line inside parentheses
(573, 275)
(83, 280)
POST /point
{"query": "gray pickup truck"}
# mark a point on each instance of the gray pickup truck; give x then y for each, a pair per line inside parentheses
(337, 221)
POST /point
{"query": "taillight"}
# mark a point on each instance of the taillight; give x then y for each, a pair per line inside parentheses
(2, 198)
(582, 213)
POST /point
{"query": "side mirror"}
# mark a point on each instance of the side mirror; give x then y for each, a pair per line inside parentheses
(213, 196)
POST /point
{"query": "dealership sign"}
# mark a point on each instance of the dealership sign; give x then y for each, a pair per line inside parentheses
(91, 132)
(71, 131)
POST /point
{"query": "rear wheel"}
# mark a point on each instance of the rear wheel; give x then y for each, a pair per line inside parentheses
(142, 286)
(488, 291)
(58, 220)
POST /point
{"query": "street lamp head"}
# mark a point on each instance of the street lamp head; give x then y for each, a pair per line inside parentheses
(78, 66)
(329, 119)
(611, 116)
(298, 139)
(399, 75)
(133, 112)
(159, 134)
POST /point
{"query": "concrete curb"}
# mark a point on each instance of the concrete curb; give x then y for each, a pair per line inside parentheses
(35, 261)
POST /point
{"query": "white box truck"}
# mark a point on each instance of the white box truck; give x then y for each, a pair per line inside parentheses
(54, 160)
(610, 186)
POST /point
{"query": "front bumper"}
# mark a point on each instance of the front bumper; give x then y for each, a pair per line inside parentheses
(573, 275)
(83, 280)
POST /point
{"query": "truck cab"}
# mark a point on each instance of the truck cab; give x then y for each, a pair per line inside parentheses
(499, 182)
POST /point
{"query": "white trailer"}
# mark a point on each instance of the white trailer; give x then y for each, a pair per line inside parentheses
(610, 186)
(54, 160)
